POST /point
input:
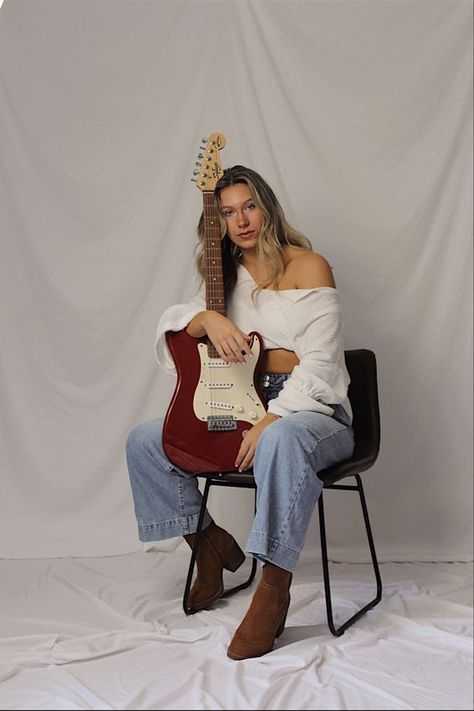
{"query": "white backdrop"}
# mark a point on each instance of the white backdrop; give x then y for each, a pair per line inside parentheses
(359, 115)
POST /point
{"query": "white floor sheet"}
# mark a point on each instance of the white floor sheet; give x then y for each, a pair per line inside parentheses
(110, 633)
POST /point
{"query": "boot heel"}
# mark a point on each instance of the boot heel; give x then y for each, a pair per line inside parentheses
(282, 624)
(234, 558)
(281, 628)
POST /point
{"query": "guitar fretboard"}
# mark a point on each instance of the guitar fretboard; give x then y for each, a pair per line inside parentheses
(215, 299)
(213, 256)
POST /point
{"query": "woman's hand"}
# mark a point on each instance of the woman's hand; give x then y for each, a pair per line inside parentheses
(250, 438)
(230, 342)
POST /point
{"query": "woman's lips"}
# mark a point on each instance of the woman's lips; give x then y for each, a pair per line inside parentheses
(246, 234)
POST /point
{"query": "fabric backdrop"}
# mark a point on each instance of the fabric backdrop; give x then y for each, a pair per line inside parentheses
(358, 113)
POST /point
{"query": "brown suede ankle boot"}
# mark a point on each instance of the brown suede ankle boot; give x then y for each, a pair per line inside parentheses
(266, 616)
(217, 550)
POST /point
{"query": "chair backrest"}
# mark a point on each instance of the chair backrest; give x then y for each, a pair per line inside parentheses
(363, 395)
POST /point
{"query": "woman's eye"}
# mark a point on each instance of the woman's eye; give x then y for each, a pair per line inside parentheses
(229, 213)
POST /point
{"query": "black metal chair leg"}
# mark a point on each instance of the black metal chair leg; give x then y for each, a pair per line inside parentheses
(190, 610)
(337, 631)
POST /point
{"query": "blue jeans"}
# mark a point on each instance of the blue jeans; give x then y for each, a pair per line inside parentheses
(289, 454)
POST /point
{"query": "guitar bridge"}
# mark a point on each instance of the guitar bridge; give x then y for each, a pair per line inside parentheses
(220, 423)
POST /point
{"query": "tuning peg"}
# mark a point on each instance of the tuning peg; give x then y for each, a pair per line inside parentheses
(195, 171)
(193, 180)
(198, 164)
(204, 140)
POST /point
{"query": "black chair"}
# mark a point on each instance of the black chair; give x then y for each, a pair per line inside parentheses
(363, 395)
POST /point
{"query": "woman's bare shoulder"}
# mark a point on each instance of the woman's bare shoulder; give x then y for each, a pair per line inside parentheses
(308, 270)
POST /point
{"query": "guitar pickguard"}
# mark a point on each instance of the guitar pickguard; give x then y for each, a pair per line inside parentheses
(226, 392)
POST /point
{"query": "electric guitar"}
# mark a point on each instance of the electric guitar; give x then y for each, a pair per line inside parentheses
(214, 402)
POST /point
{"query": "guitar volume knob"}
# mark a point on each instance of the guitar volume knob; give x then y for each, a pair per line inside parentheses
(252, 415)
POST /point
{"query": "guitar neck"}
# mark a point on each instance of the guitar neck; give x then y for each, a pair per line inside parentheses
(214, 278)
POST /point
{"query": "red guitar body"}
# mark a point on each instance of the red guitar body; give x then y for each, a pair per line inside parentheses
(188, 441)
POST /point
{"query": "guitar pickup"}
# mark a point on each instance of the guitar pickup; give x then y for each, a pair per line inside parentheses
(216, 363)
(220, 406)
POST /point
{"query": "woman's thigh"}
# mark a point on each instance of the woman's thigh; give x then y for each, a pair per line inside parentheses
(305, 437)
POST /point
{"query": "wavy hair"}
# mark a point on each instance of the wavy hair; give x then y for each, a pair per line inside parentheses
(276, 232)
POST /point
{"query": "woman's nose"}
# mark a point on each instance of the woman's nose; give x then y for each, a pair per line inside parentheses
(243, 219)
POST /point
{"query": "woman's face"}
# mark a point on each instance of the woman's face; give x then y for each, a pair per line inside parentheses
(243, 218)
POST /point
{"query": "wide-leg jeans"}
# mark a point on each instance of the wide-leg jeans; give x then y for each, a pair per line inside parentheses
(290, 453)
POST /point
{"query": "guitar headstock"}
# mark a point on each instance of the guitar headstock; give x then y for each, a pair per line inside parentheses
(209, 168)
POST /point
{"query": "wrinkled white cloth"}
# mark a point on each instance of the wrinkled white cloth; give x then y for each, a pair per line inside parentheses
(110, 633)
(306, 321)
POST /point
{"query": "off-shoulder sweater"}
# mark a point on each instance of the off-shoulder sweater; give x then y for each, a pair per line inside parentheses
(306, 321)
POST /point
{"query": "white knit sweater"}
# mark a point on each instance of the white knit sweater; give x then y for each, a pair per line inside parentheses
(306, 321)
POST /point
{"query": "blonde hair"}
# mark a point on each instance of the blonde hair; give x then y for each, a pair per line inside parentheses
(276, 232)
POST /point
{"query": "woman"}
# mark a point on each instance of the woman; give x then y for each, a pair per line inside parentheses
(276, 285)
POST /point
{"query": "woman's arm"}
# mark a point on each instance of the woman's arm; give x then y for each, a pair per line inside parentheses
(230, 342)
(308, 271)
(315, 321)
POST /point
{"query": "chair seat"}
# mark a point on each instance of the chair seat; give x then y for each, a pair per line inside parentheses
(241, 478)
(363, 458)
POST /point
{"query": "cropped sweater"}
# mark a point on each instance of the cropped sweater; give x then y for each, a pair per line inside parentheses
(306, 321)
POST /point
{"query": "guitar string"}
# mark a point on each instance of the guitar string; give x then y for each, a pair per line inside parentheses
(211, 256)
(215, 297)
(207, 353)
(208, 299)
